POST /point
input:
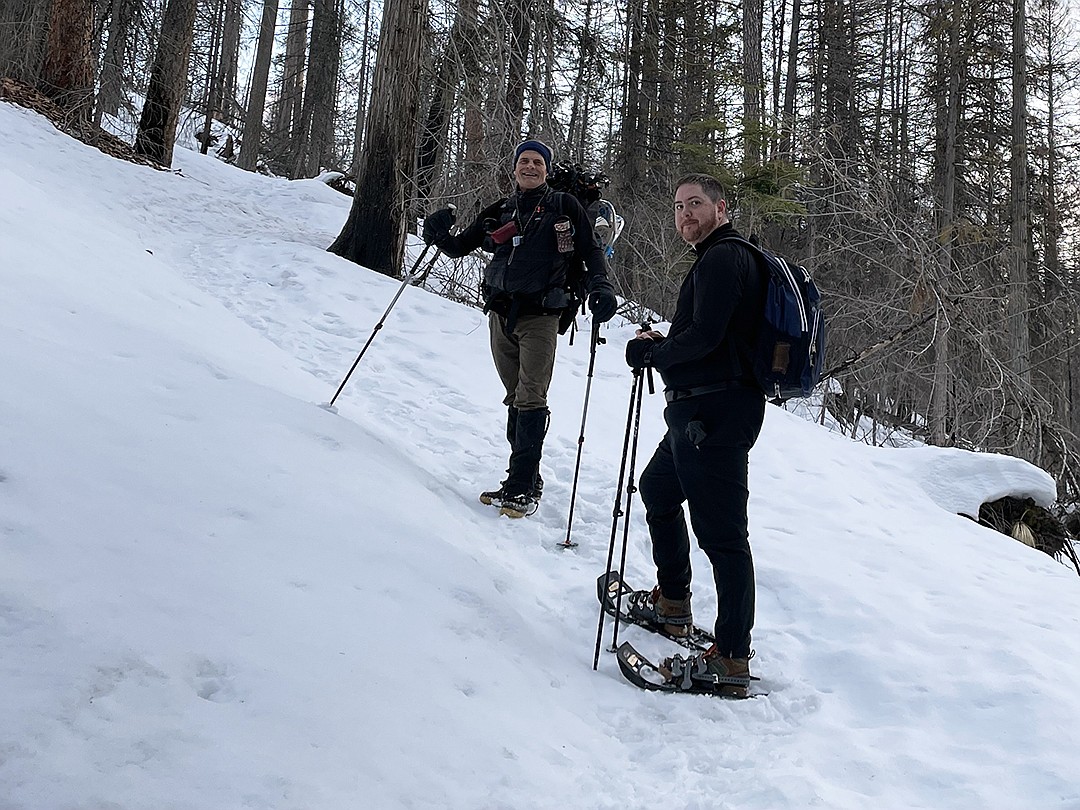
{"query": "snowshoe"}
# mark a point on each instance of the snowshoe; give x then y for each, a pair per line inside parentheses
(701, 674)
(638, 607)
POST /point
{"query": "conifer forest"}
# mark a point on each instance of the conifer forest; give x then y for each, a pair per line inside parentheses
(920, 157)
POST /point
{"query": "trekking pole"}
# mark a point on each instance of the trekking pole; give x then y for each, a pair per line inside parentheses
(422, 279)
(409, 278)
(630, 490)
(635, 396)
(595, 339)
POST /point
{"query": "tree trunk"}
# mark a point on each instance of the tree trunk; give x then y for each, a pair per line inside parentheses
(650, 80)
(541, 92)
(213, 77)
(1020, 236)
(374, 235)
(577, 128)
(260, 77)
(230, 62)
(667, 112)
(753, 83)
(520, 22)
(632, 146)
(168, 79)
(22, 46)
(1072, 381)
(315, 135)
(291, 100)
(787, 121)
(67, 75)
(1064, 401)
(361, 95)
(952, 71)
(454, 61)
(112, 64)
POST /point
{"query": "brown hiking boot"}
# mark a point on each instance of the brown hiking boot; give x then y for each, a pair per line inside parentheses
(727, 677)
(674, 614)
(730, 668)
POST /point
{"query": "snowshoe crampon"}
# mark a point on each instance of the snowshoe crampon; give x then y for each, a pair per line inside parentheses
(518, 506)
(635, 607)
(514, 506)
(687, 675)
(492, 497)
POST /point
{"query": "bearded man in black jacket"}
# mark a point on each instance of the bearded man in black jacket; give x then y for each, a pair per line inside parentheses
(714, 414)
(533, 236)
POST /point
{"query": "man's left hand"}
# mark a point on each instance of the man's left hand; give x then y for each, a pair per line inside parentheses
(602, 304)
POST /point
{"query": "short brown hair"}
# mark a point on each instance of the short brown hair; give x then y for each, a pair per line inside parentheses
(712, 187)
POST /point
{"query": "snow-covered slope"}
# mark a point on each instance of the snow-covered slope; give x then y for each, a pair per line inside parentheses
(216, 594)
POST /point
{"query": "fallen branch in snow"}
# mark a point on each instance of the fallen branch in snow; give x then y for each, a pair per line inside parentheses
(1031, 524)
(24, 95)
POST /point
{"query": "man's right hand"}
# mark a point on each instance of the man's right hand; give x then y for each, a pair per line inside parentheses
(437, 226)
(639, 352)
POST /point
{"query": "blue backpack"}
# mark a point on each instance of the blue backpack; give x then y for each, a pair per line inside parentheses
(791, 348)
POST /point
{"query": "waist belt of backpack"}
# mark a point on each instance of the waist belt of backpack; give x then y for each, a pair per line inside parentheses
(677, 394)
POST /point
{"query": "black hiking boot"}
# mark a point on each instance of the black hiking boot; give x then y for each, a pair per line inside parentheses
(523, 475)
(493, 497)
(518, 506)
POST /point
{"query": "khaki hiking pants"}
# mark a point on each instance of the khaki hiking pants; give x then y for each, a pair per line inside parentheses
(525, 359)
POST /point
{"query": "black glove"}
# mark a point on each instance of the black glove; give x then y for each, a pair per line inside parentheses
(602, 303)
(639, 352)
(437, 225)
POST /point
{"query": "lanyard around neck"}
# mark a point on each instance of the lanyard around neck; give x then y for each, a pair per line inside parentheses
(522, 226)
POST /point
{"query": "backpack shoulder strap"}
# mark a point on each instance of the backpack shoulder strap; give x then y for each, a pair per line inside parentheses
(560, 200)
(739, 240)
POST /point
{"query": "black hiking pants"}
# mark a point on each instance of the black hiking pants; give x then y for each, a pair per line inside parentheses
(703, 461)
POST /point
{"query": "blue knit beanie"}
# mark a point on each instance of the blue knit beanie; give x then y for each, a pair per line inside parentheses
(536, 146)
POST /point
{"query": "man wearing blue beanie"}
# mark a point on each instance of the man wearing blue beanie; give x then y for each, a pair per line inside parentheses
(539, 147)
(534, 236)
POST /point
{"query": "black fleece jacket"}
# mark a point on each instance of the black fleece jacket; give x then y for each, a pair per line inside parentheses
(717, 317)
(529, 272)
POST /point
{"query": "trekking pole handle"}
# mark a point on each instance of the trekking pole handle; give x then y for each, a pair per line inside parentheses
(594, 335)
(416, 274)
(646, 326)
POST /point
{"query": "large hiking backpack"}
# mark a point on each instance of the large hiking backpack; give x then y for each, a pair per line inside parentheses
(791, 347)
(586, 186)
